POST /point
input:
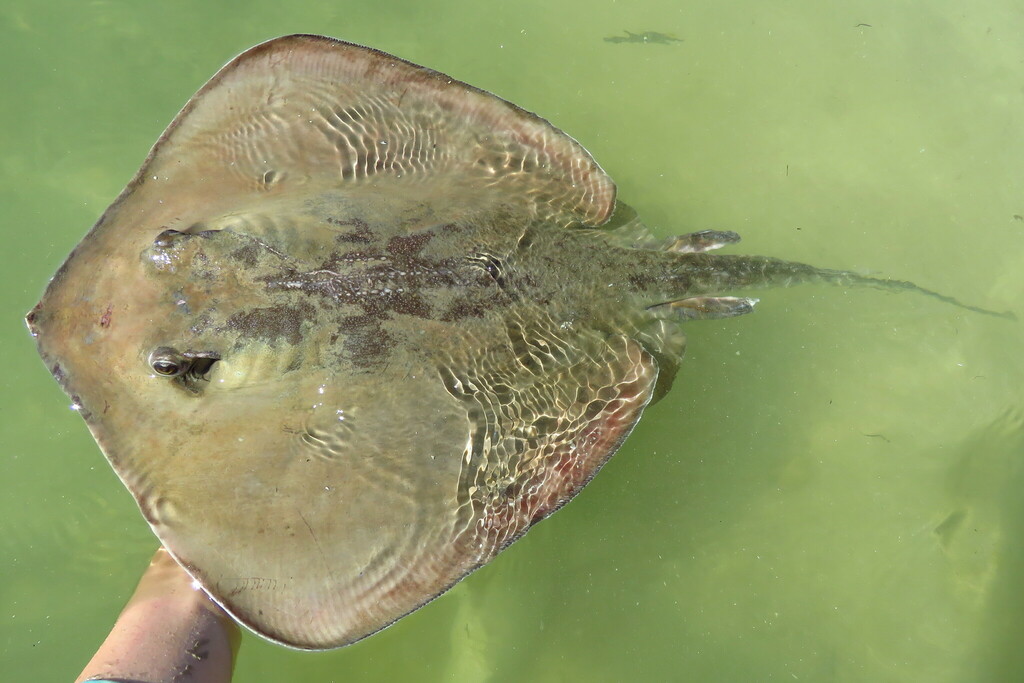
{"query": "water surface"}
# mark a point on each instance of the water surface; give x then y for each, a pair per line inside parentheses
(830, 493)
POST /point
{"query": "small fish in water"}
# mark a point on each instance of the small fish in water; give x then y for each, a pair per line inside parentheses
(645, 37)
(356, 326)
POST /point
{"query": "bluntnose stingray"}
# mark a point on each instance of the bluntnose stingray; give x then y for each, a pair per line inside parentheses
(353, 328)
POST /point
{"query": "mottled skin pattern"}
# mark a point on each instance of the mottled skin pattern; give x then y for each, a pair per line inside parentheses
(551, 316)
(353, 329)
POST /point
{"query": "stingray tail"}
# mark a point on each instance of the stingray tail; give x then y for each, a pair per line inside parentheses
(706, 277)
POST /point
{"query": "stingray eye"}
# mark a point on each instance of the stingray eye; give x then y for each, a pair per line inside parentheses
(166, 239)
(168, 362)
(493, 268)
(490, 264)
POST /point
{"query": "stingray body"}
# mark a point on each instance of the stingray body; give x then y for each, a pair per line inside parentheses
(353, 328)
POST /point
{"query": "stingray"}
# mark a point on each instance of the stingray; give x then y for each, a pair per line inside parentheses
(355, 326)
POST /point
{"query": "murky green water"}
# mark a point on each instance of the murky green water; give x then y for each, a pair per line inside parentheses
(831, 491)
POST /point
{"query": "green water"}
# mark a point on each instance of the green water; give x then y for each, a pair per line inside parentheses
(831, 491)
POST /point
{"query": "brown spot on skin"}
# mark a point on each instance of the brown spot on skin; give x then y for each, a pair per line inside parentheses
(105, 318)
(408, 245)
(640, 281)
(464, 309)
(360, 235)
(354, 237)
(409, 304)
(357, 323)
(273, 323)
(247, 255)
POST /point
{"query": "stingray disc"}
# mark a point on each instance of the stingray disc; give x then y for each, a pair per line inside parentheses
(296, 340)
